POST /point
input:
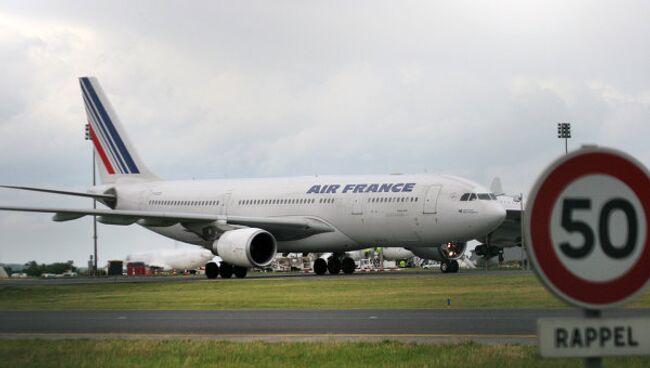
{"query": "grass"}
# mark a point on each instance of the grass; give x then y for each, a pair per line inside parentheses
(425, 291)
(184, 353)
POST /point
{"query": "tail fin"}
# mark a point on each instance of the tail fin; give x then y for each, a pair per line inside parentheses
(115, 155)
(496, 186)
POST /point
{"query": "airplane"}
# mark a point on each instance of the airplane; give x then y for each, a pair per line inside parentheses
(247, 221)
(186, 257)
(507, 235)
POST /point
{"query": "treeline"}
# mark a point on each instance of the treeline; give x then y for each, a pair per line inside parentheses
(34, 269)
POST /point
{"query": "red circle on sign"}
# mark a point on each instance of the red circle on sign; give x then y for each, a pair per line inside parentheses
(571, 287)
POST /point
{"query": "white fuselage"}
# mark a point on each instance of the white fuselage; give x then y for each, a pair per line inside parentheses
(365, 211)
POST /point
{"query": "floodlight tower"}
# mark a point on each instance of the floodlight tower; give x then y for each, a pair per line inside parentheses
(94, 271)
(564, 131)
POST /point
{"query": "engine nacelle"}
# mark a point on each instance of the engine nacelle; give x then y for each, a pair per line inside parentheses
(440, 253)
(487, 251)
(249, 247)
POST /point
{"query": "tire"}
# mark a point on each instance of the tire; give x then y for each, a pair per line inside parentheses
(453, 266)
(334, 265)
(348, 266)
(320, 266)
(444, 266)
(226, 271)
(211, 270)
(240, 272)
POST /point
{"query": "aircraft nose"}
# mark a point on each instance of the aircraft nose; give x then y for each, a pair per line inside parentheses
(495, 214)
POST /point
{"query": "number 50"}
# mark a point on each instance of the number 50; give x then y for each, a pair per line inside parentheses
(572, 225)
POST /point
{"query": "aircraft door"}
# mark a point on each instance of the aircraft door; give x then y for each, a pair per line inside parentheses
(225, 202)
(357, 205)
(431, 200)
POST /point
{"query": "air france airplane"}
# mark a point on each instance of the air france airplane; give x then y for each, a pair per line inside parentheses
(247, 221)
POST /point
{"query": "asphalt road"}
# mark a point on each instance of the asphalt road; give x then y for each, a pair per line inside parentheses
(433, 325)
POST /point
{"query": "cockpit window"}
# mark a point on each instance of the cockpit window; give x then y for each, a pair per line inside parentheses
(475, 196)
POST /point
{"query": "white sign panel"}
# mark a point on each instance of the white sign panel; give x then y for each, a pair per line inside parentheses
(593, 337)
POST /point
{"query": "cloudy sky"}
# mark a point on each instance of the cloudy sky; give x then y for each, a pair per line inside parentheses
(281, 88)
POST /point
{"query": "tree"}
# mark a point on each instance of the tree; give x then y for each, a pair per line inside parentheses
(34, 269)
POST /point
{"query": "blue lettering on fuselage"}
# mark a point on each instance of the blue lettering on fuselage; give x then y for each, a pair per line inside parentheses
(362, 188)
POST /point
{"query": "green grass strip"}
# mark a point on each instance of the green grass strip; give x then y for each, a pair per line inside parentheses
(425, 291)
(184, 353)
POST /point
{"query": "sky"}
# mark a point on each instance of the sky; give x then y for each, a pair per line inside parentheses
(226, 89)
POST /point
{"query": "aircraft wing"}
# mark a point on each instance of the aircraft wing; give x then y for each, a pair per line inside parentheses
(208, 226)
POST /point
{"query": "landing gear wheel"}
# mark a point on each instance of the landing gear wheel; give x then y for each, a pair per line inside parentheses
(453, 266)
(320, 266)
(240, 272)
(334, 265)
(226, 271)
(211, 270)
(348, 265)
(445, 266)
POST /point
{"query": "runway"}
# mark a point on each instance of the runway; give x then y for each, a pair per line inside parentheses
(432, 325)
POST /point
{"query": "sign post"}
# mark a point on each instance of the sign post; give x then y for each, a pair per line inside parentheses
(587, 223)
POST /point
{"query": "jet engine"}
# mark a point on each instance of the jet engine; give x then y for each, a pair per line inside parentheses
(487, 251)
(441, 253)
(248, 247)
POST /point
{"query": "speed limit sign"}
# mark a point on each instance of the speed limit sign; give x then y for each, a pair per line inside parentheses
(587, 222)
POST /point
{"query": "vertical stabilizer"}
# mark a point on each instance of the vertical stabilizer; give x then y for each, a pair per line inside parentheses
(496, 187)
(115, 155)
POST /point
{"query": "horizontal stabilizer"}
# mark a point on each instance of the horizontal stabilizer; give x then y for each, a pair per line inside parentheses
(64, 192)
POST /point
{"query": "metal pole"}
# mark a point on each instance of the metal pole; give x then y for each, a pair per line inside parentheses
(594, 362)
(94, 218)
(524, 262)
(88, 137)
(566, 146)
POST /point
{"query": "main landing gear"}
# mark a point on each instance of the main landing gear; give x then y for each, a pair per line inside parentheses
(334, 265)
(449, 266)
(226, 271)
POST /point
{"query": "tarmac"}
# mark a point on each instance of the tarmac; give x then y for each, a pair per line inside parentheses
(494, 326)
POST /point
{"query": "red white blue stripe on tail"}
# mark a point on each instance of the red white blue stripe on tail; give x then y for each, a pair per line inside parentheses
(110, 146)
(114, 151)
